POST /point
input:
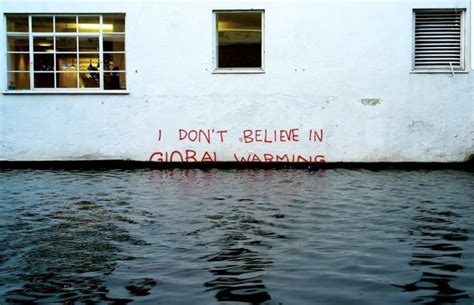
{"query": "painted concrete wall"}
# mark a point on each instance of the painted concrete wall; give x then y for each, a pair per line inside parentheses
(322, 59)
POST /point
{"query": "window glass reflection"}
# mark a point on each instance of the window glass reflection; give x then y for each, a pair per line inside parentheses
(66, 44)
(18, 43)
(44, 80)
(42, 24)
(114, 61)
(89, 24)
(44, 62)
(89, 80)
(66, 80)
(89, 62)
(89, 44)
(239, 38)
(18, 62)
(115, 81)
(66, 24)
(114, 43)
(17, 23)
(18, 81)
(114, 23)
(43, 44)
(66, 62)
(65, 51)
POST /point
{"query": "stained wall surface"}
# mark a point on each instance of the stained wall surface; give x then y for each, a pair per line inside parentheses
(337, 86)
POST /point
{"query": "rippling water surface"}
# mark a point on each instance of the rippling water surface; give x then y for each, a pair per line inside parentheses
(236, 237)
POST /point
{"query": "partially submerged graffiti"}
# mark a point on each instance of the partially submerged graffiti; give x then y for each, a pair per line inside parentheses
(188, 155)
(245, 137)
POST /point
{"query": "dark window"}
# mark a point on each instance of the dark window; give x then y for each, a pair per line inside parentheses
(239, 39)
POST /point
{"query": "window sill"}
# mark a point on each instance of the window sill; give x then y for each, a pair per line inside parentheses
(239, 71)
(45, 92)
(439, 71)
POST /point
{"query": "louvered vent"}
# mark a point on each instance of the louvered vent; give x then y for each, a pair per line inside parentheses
(438, 40)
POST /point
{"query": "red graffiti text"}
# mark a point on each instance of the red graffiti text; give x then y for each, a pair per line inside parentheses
(201, 135)
(270, 136)
(267, 157)
(188, 155)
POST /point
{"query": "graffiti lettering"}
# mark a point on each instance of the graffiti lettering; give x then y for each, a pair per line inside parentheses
(279, 158)
(188, 155)
(314, 136)
(200, 135)
(270, 136)
(255, 137)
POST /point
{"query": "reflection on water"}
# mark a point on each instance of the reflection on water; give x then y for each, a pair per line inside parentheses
(240, 280)
(236, 237)
(436, 255)
(240, 263)
(65, 253)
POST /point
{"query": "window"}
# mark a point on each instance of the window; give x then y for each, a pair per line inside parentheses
(66, 52)
(239, 41)
(439, 40)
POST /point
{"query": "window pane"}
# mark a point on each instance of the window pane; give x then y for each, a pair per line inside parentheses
(89, 80)
(114, 61)
(43, 44)
(89, 44)
(18, 62)
(89, 62)
(66, 44)
(44, 62)
(18, 43)
(66, 24)
(114, 23)
(66, 62)
(42, 24)
(114, 43)
(18, 81)
(66, 80)
(239, 40)
(115, 81)
(89, 24)
(66, 59)
(44, 80)
(17, 23)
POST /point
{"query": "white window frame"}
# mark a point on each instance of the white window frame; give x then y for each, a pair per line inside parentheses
(215, 48)
(464, 64)
(471, 28)
(30, 34)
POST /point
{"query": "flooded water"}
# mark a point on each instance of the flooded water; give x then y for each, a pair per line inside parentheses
(236, 237)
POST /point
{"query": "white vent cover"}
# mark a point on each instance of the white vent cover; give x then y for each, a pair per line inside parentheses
(439, 40)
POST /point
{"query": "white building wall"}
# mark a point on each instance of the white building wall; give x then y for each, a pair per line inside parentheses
(322, 59)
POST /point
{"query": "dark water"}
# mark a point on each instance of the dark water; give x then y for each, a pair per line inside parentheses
(236, 237)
